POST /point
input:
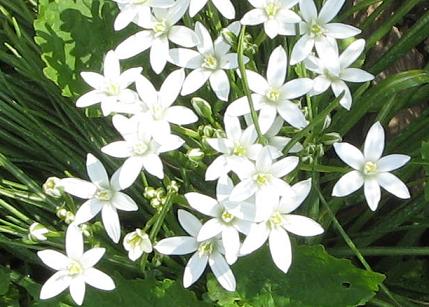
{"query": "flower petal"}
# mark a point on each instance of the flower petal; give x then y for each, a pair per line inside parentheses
(96, 171)
(177, 246)
(195, 80)
(153, 165)
(330, 9)
(99, 280)
(244, 190)
(204, 204)
(308, 10)
(183, 36)
(302, 49)
(210, 229)
(290, 202)
(393, 185)
(92, 257)
(134, 45)
(194, 268)
(266, 118)
(284, 166)
(185, 58)
(219, 83)
(181, 115)
(217, 168)
(88, 210)
(341, 31)
(350, 155)
(225, 7)
(292, 114)
(206, 43)
(56, 284)
(111, 222)
(123, 202)
(372, 193)
(356, 75)
(222, 271)
(301, 225)
(277, 67)
(74, 242)
(351, 53)
(54, 259)
(189, 222)
(280, 248)
(254, 17)
(256, 237)
(77, 290)
(257, 83)
(231, 244)
(296, 88)
(78, 187)
(374, 142)
(348, 184)
(392, 162)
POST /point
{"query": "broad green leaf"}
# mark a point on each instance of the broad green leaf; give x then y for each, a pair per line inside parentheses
(4, 280)
(425, 156)
(74, 35)
(314, 279)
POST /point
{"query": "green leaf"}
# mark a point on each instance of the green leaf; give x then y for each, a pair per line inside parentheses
(74, 35)
(425, 156)
(4, 280)
(314, 279)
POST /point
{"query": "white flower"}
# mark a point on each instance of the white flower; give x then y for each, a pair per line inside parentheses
(37, 232)
(277, 143)
(140, 149)
(158, 110)
(208, 63)
(52, 187)
(225, 7)
(237, 148)
(263, 180)
(102, 196)
(370, 169)
(318, 31)
(276, 15)
(161, 29)
(205, 251)
(280, 222)
(334, 70)
(222, 222)
(137, 11)
(75, 269)
(137, 243)
(111, 88)
(273, 96)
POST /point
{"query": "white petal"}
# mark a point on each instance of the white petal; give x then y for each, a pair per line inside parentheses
(222, 271)
(153, 165)
(374, 142)
(224, 188)
(112, 67)
(172, 142)
(177, 246)
(95, 80)
(257, 236)
(194, 268)
(393, 185)
(54, 259)
(134, 45)
(204, 204)
(92, 257)
(171, 87)
(77, 290)
(111, 222)
(130, 170)
(194, 81)
(356, 75)
(124, 18)
(122, 201)
(206, 44)
(218, 168)
(330, 9)
(232, 128)
(147, 91)
(277, 67)
(321, 84)
(119, 149)
(296, 88)
(181, 115)
(280, 248)
(231, 244)
(308, 10)
(185, 58)
(392, 162)
(195, 7)
(225, 7)
(348, 184)
(352, 52)
(238, 107)
(271, 27)
(243, 190)
(230, 60)
(88, 210)
(130, 76)
(78, 187)
(159, 53)
(266, 117)
(183, 36)
(301, 225)
(372, 193)
(340, 87)
(254, 17)
(96, 171)
(189, 222)
(257, 83)
(341, 31)
(209, 230)
(219, 83)
(284, 166)
(99, 280)
(56, 284)
(90, 99)
(292, 114)
(74, 242)
(301, 191)
(264, 161)
(302, 49)
(350, 155)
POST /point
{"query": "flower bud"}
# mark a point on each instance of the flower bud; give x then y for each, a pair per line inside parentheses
(149, 193)
(331, 138)
(37, 232)
(52, 187)
(230, 38)
(173, 187)
(203, 108)
(136, 243)
(195, 155)
(69, 218)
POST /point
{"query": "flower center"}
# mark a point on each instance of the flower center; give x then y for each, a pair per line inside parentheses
(261, 179)
(160, 28)
(329, 75)
(276, 220)
(140, 149)
(104, 195)
(74, 268)
(370, 168)
(210, 62)
(316, 30)
(206, 248)
(273, 95)
(239, 150)
(272, 9)
(112, 89)
(158, 112)
(227, 217)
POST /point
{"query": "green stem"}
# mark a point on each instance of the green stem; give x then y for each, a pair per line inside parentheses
(245, 83)
(384, 251)
(352, 246)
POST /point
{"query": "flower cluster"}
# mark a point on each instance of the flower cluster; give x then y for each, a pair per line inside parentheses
(258, 187)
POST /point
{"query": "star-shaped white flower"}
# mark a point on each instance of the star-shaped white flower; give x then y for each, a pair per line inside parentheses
(273, 95)
(206, 251)
(137, 243)
(370, 169)
(161, 29)
(222, 221)
(75, 269)
(317, 31)
(137, 11)
(237, 148)
(276, 15)
(157, 110)
(225, 7)
(263, 179)
(277, 226)
(140, 149)
(103, 195)
(111, 88)
(208, 63)
(333, 70)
